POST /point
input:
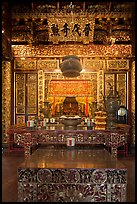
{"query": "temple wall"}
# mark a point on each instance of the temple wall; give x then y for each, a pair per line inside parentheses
(44, 61)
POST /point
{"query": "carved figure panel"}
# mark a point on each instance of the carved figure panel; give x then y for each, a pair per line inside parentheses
(20, 119)
(109, 81)
(117, 65)
(20, 93)
(32, 94)
(48, 65)
(6, 99)
(26, 96)
(94, 65)
(25, 64)
(121, 88)
(116, 82)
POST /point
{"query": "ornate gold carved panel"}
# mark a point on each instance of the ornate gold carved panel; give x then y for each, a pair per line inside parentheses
(48, 64)
(6, 99)
(40, 90)
(28, 64)
(20, 93)
(93, 65)
(85, 76)
(100, 89)
(118, 65)
(75, 49)
(31, 117)
(20, 119)
(94, 84)
(32, 94)
(121, 88)
(133, 87)
(133, 101)
(109, 82)
(118, 82)
(26, 96)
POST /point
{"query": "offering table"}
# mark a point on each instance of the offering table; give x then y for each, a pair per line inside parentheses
(28, 137)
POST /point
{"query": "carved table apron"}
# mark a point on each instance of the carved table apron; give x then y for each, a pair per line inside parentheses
(28, 137)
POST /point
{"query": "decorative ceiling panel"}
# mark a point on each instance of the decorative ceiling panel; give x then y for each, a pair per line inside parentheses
(85, 22)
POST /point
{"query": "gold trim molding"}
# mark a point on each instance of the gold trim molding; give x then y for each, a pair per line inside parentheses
(79, 50)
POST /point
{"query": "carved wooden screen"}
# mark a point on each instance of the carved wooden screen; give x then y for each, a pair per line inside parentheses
(25, 97)
(119, 82)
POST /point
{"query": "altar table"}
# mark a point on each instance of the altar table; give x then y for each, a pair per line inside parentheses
(63, 175)
(28, 137)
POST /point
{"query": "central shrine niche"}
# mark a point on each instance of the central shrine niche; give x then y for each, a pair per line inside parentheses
(70, 106)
